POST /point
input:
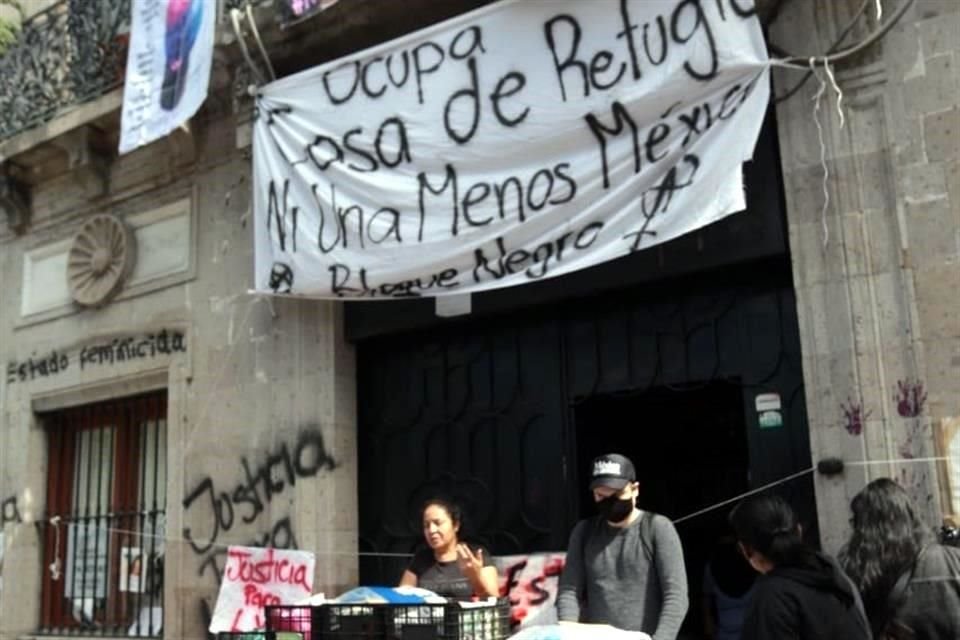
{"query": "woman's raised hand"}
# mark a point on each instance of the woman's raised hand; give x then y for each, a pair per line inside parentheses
(470, 563)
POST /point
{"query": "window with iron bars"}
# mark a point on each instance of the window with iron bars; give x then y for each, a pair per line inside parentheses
(103, 539)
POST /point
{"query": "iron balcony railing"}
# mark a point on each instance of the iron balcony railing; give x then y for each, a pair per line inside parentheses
(76, 50)
(73, 52)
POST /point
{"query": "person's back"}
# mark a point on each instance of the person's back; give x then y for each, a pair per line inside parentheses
(811, 601)
(931, 607)
(803, 595)
(910, 584)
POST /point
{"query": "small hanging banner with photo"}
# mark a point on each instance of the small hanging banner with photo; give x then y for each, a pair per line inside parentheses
(168, 67)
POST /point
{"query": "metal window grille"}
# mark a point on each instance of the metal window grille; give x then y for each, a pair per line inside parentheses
(103, 539)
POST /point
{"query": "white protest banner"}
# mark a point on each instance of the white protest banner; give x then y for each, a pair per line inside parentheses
(522, 141)
(253, 578)
(168, 67)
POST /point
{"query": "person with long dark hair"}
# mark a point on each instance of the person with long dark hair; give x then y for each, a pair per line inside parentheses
(802, 594)
(910, 584)
(449, 566)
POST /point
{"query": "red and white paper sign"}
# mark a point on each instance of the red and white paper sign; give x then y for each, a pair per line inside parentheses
(254, 578)
(531, 582)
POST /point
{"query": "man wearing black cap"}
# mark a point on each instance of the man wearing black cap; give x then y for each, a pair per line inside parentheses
(625, 566)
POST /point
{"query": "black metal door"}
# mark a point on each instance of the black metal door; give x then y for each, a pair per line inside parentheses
(486, 411)
(473, 415)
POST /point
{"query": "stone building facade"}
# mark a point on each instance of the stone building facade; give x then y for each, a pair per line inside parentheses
(261, 394)
(249, 379)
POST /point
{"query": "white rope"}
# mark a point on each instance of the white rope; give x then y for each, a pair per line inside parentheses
(856, 463)
(235, 15)
(879, 11)
(746, 494)
(56, 520)
(863, 463)
(55, 565)
(210, 544)
(786, 64)
(836, 88)
(256, 37)
(823, 152)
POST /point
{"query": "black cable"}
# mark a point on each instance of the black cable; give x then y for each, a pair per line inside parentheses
(843, 36)
(851, 51)
(772, 13)
(866, 42)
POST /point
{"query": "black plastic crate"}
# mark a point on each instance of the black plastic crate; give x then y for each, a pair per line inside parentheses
(447, 621)
(293, 618)
(477, 623)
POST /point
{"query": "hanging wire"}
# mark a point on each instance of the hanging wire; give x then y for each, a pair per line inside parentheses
(833, 47)
(862, 45)
(55, 521)
(746, 494)
(256, 37)
(866, 463)
(235, 16)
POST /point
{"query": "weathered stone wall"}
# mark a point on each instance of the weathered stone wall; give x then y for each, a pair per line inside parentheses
(256, 380)
(877, 273)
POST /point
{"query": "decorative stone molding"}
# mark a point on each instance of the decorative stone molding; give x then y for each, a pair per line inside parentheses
(100, 259)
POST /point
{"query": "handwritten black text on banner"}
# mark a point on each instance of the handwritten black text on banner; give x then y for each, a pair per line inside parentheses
(518, 142)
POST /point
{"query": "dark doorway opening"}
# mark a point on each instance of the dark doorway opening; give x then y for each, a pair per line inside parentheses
(689, 445)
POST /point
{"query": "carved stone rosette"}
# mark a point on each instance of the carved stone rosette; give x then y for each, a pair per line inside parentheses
(101, 257)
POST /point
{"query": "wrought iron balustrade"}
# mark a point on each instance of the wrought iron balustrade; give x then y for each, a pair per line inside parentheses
(71, 53)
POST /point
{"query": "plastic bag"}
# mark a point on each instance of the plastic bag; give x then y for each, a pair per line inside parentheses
(578, 632)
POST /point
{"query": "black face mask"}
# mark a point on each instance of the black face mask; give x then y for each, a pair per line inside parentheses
(615, 509)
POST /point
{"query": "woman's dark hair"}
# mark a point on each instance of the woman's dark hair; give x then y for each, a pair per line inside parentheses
(767, 524)
(887, 537)
(452, 508)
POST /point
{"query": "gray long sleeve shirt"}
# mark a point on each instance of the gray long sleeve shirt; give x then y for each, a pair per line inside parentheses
(611, 574)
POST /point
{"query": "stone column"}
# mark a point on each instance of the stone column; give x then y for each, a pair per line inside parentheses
(875, 239)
